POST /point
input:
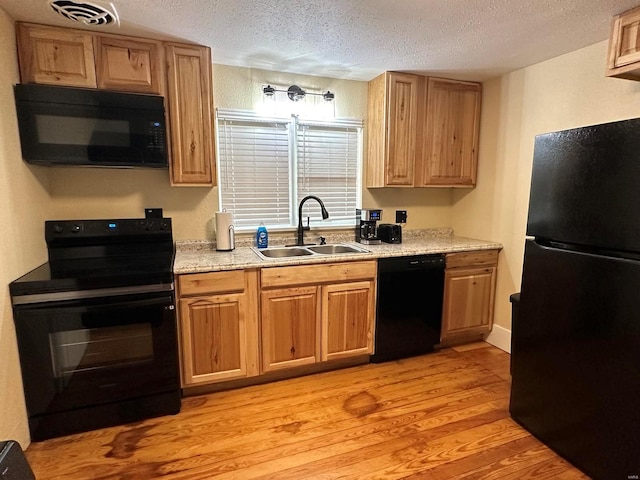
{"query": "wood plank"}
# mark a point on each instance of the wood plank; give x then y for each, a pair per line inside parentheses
(440, 416)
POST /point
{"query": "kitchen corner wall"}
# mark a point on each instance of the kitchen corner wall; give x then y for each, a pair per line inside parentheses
(25, 205)
(565, 92)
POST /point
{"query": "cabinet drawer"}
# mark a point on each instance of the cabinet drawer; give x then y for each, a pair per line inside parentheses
(466, 259)
(315, 274)
(211, 282)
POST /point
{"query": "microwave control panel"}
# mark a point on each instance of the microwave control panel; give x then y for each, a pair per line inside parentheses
(156, 136)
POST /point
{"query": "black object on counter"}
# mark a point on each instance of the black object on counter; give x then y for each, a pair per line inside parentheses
(390, 233)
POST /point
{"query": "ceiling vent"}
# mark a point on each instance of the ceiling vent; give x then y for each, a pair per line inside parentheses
(89, 13)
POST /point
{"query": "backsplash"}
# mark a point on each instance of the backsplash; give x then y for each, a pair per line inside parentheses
(289, 238)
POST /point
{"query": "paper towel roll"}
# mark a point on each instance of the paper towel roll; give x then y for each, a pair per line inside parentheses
(225, 234)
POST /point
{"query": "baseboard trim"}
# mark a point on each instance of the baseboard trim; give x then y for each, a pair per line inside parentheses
(500, 337)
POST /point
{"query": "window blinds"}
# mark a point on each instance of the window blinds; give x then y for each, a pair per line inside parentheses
(268, 165)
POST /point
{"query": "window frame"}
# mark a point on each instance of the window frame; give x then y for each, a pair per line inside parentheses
(293, 122)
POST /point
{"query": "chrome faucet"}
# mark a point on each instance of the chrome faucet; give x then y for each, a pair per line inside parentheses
(302, 228)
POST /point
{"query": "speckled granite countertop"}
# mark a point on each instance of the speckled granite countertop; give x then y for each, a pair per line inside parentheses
(201, 256)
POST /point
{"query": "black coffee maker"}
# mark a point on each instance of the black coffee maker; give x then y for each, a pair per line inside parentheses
(366, 225)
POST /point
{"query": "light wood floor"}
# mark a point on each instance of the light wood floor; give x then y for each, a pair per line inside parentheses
(438, 416)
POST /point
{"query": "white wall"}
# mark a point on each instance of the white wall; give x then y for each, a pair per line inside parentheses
(24, 205)
(565, 92)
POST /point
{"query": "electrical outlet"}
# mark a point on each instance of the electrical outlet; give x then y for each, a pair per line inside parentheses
(401, 216)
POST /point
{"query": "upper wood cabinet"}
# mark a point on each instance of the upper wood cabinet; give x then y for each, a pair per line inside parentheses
(623, 60)
(55, 56)
(450, 148)
(469, 291)
(218, 326)
(190, 99)
(422, 131)
(75, 58)
(392, 117)
(129, 64)
(182, 73)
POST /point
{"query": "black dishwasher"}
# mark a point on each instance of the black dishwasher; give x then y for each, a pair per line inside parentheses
(409, 306)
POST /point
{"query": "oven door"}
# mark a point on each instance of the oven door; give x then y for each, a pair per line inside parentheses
(95, 351)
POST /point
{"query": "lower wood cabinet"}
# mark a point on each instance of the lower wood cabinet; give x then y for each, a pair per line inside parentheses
(218, 326)
(469, 291)
(348, 316)
(316, 313)
(244, 323)
(290, 327)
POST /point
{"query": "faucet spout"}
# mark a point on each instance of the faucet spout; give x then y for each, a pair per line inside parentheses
(302, 228)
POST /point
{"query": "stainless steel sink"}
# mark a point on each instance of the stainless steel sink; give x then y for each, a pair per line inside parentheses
(288, 252)
(283, 252)
(334, 249)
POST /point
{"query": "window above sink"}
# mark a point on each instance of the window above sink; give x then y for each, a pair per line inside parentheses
(267, 165)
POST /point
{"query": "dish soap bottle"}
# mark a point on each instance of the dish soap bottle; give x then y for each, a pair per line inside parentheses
(262, 237)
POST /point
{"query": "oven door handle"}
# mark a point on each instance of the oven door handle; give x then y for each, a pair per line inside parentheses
(53, 297)
(78, 307)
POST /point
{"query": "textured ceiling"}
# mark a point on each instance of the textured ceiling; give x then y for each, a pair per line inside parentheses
(358, 39)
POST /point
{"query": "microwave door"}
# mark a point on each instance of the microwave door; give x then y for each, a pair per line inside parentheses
(92, 134)
(77, 135)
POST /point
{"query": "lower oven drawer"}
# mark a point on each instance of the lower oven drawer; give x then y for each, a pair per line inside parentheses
(89, 352)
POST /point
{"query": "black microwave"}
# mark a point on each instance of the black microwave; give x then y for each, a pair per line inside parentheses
(89, 127)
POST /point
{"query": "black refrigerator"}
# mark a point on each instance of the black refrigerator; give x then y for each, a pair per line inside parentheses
(576, 334)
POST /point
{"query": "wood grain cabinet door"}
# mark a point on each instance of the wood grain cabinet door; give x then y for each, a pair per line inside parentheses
(623, 59)
(450, 148)
(55, 56)
(468, 301)
(290, 319)
(129, 64)
(402, 109)
(190, 100)
(347, 319)
(214, 338)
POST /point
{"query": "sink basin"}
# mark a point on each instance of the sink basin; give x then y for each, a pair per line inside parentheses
(334, 249)
(284, 252)
(288, 252)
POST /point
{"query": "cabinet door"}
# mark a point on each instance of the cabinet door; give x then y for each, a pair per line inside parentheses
(402, 117)
(347, 319)
(55, 56)
(290, 328)
(468, 301)
(626, 38)
(214, 338)
(189, 92)
(129, 64)
(450, 146)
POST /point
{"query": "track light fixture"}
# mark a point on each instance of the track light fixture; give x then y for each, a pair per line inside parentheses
(295, 93)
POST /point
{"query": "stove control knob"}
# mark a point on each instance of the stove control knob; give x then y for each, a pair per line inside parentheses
(75, 228)
(57, 229)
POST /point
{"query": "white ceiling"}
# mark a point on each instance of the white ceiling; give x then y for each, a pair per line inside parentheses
(358, 39)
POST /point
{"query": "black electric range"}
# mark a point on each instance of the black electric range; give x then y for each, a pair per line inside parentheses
(96, 326)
